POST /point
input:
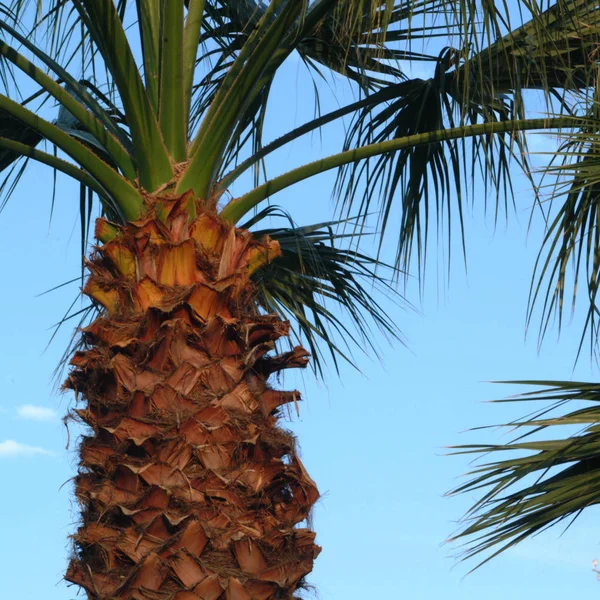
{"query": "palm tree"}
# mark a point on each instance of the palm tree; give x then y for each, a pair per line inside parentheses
(189, 488)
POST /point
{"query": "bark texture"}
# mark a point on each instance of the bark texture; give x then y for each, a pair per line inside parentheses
(189, 489)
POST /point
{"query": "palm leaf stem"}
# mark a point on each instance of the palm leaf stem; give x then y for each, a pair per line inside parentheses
(63, 76)
(223, 115)
(117, 153)
(238, 207)
(53, 161)
(121, 191)
(171, 113)
(191, 38)
(233, 74)
(149, 26)
(104, 25)
(381, 96)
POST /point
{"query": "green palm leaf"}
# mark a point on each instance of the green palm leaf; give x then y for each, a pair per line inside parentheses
(571, 247)
(325, 288)
(429, 179)
(540, 478)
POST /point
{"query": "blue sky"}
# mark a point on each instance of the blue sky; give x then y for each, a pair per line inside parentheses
(373, 441)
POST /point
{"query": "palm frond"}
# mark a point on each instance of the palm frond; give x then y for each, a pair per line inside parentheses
(539, 481)
(325, 288)
(570, 251)
(428, 179)
(358, 39)
(477, 82)
(554, 49)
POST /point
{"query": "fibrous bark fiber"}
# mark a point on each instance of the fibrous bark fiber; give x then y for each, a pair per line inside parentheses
(189, 489)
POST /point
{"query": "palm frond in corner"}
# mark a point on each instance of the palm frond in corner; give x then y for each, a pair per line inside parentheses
(569, 256)
(539, 479)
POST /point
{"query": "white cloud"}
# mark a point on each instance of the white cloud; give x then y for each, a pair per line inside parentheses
(36, 413)
(11, 449)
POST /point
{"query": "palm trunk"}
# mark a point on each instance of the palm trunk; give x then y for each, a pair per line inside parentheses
(189, 489)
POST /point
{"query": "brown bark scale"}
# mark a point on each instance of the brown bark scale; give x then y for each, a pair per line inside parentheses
(189, 489)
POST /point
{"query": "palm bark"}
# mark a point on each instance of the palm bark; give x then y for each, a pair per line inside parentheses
(189, 489)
